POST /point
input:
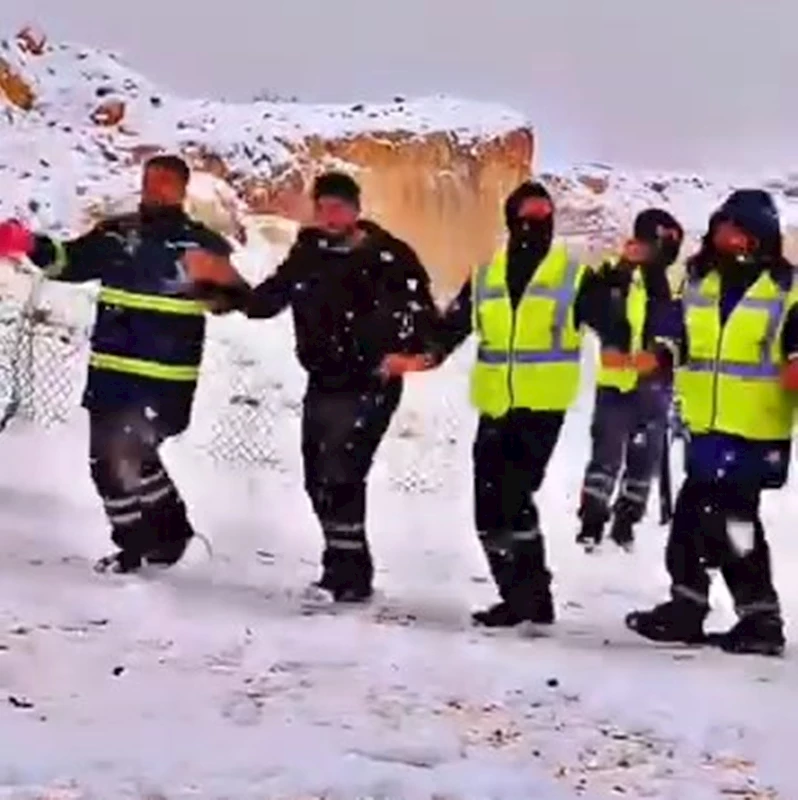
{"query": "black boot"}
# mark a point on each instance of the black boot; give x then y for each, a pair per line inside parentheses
(524, 584)
(678, 620)
(133, 540)
(536, 606)
(347, 575)
(172, 531)
(757, 634)
(121, 562)
(622, 532)
(590, 534)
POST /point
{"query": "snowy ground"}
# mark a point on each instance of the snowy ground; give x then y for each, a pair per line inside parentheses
(209, 682)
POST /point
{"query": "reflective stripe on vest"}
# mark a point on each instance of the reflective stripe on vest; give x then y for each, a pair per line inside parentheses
(564, 295)
(766, 367)
(150, 302)
(144, 368)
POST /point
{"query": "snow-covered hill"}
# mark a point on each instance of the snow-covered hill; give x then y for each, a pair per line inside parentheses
(59, 154)
(60, 160)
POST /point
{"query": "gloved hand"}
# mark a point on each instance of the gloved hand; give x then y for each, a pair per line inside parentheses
(643, 361)
(15, 239)
(202, 266)
(789, 376)
(615, 359)
(395, 365)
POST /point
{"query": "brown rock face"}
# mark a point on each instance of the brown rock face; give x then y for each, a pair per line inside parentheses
(14, 88)
(108, 114)
(443, 197)
(436, 176)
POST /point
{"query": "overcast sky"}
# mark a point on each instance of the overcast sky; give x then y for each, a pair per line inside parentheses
(683, 83)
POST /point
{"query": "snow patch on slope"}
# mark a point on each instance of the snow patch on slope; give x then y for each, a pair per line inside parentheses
(54, 160)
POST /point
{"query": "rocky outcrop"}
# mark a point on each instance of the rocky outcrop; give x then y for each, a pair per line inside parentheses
(444, 197)
(14, 89)
(434, 171)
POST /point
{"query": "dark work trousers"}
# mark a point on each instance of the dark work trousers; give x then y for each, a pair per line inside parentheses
(717, 525)
(628, 434)
(511, 455)
(139, 497)
(341, 431)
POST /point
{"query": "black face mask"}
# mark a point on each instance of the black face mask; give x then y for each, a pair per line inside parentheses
(667, 252)
(531, 236)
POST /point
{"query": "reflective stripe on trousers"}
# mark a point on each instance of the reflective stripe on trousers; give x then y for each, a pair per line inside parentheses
(151, 490)
(344, 535)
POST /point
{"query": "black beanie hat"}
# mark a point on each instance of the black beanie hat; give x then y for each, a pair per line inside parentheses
(648, 223)
(337, 184)
(517, 197)
(754, 211)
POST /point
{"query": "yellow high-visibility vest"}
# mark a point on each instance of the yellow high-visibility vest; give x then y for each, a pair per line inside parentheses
(528, 358)
(730, 382)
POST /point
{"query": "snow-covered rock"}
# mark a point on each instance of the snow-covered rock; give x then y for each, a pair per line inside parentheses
(76, 122)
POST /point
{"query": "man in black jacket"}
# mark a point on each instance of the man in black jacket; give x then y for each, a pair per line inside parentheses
(357, 294)
(159, 271)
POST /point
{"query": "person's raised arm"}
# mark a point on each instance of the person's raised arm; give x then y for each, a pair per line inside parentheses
(77, 260)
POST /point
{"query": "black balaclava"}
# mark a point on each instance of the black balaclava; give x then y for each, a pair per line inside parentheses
(529, 240)
(648, 227)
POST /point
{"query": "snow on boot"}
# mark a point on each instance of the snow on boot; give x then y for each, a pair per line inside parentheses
(590, 535)
(120, 562)
(674, 621)
(623, 534)
(755, 634)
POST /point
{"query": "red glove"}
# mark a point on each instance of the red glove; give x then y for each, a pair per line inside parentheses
(645, 362)
(615, 359)
(789, 376)
(15, 239)
(397, 364)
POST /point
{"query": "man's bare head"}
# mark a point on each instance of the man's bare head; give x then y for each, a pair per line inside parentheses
(165, 181)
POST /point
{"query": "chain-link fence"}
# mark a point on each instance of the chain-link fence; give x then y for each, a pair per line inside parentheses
(248, 405)
(44, 347)
(249, 399)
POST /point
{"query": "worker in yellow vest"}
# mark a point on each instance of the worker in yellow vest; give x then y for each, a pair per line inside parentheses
(737, 382)
(628, 295)
(526, 376)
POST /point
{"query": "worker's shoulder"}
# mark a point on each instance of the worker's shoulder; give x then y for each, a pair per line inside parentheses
(384, 241)
(118, 223)
(206, 237)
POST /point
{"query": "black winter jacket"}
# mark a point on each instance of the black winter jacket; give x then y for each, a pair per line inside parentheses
(352, 304)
